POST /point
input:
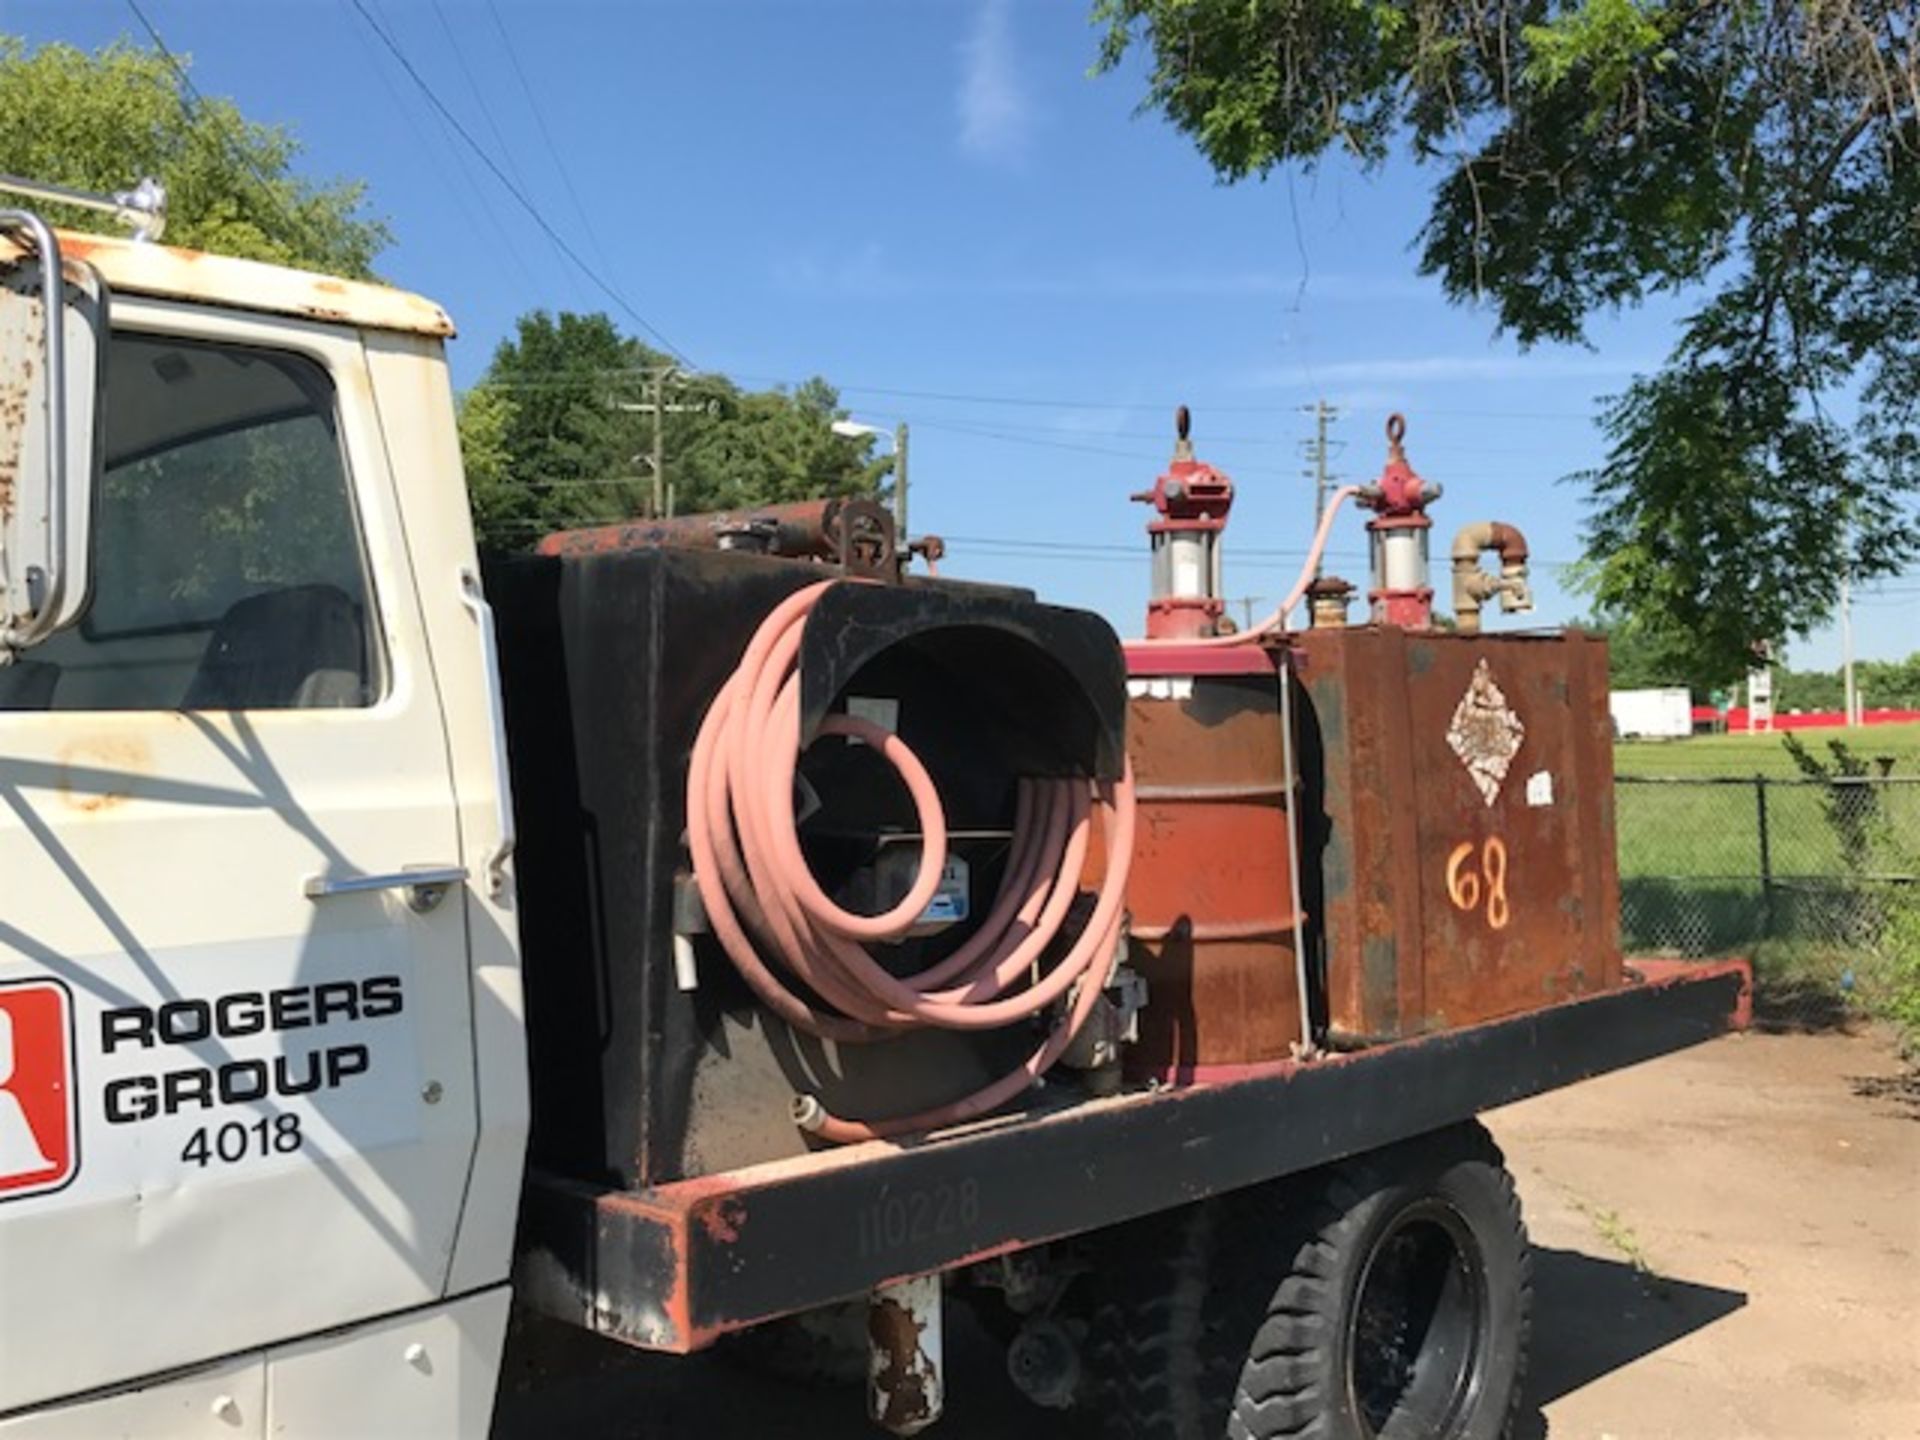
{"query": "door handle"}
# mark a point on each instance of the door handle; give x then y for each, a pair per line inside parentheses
(426, 885)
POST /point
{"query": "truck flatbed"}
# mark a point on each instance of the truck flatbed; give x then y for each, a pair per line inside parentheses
(673, 1267)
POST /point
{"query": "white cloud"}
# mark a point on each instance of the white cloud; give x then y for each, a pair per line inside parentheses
(1096, 423)
(864, 273)
(995, 113)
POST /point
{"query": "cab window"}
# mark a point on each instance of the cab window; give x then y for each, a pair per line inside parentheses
(228, 569)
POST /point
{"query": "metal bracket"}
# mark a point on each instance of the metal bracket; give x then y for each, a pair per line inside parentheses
(495, 868)
(864, 543)
(142, 209)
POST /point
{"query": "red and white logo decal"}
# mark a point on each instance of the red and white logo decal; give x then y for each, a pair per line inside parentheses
(39, 1145)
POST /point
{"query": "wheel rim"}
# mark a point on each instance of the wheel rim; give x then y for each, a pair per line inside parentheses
(1416, 1335)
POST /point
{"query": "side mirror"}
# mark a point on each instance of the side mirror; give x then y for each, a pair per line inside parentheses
(53, 331)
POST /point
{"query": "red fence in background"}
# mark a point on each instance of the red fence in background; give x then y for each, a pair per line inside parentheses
(1737, 722)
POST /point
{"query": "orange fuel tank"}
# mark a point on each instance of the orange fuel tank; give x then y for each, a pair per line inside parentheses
(1213, 895)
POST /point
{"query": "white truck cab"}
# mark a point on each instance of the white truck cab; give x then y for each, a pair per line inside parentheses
(262, 1068)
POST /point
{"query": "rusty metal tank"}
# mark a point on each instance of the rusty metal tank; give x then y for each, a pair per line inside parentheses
(1212, 898)
(1458, 829)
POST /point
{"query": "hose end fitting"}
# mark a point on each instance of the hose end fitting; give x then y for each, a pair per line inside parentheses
(809, 1114)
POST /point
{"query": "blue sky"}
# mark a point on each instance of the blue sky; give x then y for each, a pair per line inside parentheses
(934, 206)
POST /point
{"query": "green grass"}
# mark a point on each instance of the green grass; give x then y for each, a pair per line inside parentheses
(1746, 755)
(1824, 940)
(1712, 831)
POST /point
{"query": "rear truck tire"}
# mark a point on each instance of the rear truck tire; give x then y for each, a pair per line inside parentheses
(1388, 1297)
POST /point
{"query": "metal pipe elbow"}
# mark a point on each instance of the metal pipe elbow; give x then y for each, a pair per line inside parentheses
(1472, 541)
(1472, 586)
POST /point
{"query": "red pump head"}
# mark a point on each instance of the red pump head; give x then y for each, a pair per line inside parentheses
(1192, 500)
(1401, 594)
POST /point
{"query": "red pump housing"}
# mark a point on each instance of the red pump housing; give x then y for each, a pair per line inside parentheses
(1401, 594)
(1191, 500)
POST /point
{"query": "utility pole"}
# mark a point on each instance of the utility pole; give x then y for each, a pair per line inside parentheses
(1323, 414)
(1246, 604)
(659, 443)
(656, 406)
(900, 483)
(1846, 643)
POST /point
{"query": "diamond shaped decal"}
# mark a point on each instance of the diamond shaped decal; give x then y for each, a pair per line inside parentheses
(1485, 733)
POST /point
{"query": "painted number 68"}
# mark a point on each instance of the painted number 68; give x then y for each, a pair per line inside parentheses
(1466, 885)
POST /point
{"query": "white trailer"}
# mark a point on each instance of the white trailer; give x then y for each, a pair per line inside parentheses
(1661, 714)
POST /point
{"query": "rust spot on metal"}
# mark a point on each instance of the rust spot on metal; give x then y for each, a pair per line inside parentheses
(855, 534)
(1663, 974)
(905, 1365)
(147, 269)
(722, 1219)
(100, 774)
(78, 244)
(17, 369)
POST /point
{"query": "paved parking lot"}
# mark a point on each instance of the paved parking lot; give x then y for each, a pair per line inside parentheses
(1728, 1246)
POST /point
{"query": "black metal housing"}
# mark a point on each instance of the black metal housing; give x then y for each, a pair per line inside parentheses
(609, 662)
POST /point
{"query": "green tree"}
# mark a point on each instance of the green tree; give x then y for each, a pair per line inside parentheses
(487, 417)
(100, 121)
(1891, 684)
(559, 433)
(1807, 690)
(1758, 158)
(1641, 658)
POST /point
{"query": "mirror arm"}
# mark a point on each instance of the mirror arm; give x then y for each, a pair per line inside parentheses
(53, 305)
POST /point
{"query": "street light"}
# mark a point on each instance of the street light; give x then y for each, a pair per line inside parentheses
(859, 430)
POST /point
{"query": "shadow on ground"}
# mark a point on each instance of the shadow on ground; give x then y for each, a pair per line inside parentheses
(1899, 1093)
(1593, 1316)
(1797, 1006)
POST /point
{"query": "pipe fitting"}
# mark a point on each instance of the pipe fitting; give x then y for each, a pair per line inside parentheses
(906, 1361)
(808, 1113)
(1472, 586)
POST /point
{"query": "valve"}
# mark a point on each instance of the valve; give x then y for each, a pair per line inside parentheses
(1191, 500)
(1401, 593)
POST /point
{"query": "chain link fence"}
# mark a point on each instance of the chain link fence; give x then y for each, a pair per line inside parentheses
(1817, 881)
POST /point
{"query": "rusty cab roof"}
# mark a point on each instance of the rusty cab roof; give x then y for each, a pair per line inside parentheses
(142, 268)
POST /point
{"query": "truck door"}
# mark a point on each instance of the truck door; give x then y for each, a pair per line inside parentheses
(236, 1070)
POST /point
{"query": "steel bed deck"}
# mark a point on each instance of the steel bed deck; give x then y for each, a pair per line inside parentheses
(676, 1266)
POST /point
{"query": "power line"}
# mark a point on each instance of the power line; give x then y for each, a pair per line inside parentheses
(473, 88)
(294, 224)
(986, 434)
(480, 99)
(1322, 478)
(533, 211)
(491, 224)
(1012, 431)
(546, 136)
(1046, 403)
(1208, 408)
(444, 160)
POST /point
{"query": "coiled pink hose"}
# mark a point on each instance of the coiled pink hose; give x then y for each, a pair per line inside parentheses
(762, 899)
